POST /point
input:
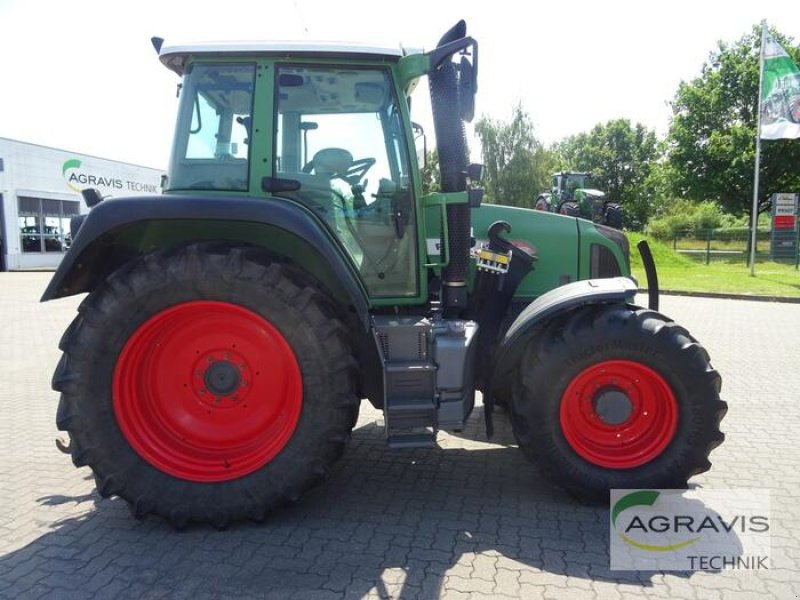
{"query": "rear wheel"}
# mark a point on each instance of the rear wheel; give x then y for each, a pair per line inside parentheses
(207, 384)
(615, 397)
(542, 203)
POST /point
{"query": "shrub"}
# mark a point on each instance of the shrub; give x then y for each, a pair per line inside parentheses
(686, 216)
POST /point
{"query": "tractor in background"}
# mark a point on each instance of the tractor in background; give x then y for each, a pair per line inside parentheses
(571, 195)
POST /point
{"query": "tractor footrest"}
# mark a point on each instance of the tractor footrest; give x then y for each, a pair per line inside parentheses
(401, 441)
(410, 414)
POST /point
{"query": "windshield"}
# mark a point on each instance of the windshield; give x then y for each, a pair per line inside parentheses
(340, 140)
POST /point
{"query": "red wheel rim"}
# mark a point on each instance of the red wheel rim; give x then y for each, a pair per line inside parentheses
(618, 414)
(207, 391)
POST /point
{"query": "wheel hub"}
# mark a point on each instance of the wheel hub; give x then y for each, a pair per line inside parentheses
(222, 378)
(613, 406)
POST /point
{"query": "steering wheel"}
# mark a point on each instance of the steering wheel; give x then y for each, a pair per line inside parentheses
(357, 170)
(352, 175)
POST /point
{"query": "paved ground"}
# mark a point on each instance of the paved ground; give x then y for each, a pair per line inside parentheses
(472, 520)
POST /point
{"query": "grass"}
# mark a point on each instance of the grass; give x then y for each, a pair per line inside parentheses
(680, 273)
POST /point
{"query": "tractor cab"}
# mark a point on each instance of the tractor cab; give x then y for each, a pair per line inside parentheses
(572, 187)
(335, 144)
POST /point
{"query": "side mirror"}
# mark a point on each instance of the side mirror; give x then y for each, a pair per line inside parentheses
(467, 86)
(91, 197)
(475, 172)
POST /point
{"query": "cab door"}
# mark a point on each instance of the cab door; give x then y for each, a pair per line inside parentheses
(340, 146)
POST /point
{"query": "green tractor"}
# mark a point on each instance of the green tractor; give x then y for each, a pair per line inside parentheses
(293, 267)
(571, 195)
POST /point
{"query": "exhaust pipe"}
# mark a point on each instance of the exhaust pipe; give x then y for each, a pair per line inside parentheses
(453, 162)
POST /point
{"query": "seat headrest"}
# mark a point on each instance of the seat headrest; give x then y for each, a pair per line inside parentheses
(332, 160)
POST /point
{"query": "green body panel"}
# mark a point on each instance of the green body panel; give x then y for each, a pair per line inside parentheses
(561, 244)
(589, 235)
(553, 237)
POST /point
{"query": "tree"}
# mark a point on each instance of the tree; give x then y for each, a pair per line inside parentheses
(518, 166)
(620, 157)
(713, 128)
(431, 177)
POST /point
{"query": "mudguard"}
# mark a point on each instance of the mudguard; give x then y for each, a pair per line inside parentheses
(115, 232)
(554, 302)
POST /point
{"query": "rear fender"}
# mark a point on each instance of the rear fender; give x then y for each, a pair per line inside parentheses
(120, 230)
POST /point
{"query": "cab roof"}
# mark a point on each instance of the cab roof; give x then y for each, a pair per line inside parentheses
(175, 57)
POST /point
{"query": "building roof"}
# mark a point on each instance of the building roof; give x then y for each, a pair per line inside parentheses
(174, 57)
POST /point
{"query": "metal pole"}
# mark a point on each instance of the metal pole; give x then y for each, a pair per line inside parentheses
(754, 223)
(797, 250)
(797, 229)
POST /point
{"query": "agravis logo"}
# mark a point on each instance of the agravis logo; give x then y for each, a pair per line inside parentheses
(76, 179)
(687, 530)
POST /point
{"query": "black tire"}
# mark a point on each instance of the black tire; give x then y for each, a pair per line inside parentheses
(571, 346)
(612, 215)
(235, 278)
(571, 209)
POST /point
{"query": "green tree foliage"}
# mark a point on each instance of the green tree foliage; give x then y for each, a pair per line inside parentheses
(713, 128)
(518, 166)
(431, 177)
(684, 216)
(620, 158)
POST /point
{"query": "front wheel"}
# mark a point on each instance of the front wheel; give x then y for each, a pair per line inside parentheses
(571, 209)
(617, 397)
(206, 384)
(612, 215)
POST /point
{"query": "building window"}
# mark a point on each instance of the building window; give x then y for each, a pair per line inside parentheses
(44, 224)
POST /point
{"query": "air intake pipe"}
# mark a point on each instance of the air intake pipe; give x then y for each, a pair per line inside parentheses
(452, 91)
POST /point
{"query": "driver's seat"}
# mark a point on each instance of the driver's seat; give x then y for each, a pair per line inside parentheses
(330, 162)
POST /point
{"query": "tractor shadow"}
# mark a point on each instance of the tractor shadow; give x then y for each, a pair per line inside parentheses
(473, 516)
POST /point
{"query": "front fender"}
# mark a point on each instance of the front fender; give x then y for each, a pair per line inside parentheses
(558, 301)
(119, 230)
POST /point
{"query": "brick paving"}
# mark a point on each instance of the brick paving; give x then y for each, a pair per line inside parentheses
(472, 520)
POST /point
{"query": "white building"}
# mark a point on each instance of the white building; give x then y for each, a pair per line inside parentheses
(40, 190)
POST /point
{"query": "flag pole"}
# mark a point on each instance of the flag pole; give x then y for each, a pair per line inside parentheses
(754, 220)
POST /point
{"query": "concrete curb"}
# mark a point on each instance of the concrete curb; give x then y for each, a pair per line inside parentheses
(725, 296)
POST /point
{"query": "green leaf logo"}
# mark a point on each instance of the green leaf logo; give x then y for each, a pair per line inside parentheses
(72, 163)
(643, 498)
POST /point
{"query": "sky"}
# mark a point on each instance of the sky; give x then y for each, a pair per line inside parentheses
(83, 76)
